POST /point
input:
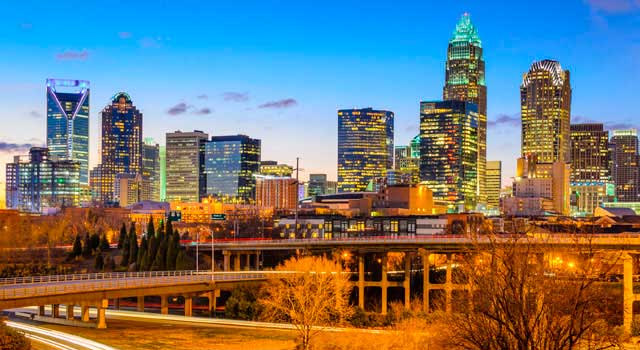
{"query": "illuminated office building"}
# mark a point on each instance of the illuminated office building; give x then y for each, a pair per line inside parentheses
(163, 173)
(185, 177)
(465, 81)
(38, 182)
(365, 147)
(591, 183)
(449, 152)
(624, 165)
(406, 167)
(68, 122)
(272, 168)
(121, 142)
(493, 183)
(277, 192)
(230, 165)
(151, 168)
(545, 100)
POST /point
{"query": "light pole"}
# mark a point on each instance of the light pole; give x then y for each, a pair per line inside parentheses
(197, 245)
(213, 254)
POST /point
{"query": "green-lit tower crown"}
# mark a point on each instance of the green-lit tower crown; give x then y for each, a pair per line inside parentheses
(465, 82)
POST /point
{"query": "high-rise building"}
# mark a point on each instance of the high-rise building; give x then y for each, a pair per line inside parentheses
(230, 165)
(163, 173)
(465, 81)
(68, 122)
(545, 98)
(39, 182)
(121, 142)
(365, 147)
(406, 167)
(272, 168)
(186, 180)
(493, 183)
(277, 192)
(317, 184)
(624, 165)
(449, 152)
(415, 147)
(130, 189)
(151, 167)
(590, 168)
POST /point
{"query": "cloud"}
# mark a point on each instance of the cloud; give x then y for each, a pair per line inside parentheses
(608, 125)
(125, 35)
(619, 126)
(71, 55)
(505, 120)
(203, 111)
(202, 97)
(6, 147)
(150, 43)
(285, 103)
(235, 96)
(614, 6)
(178, 109)
(35, 114)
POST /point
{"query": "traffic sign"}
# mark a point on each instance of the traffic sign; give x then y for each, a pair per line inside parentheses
(218, 217)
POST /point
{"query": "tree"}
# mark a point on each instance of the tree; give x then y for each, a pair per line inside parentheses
(173, 248)
(151, 231)
(12, 340)
(133, 244)
(242, 304)
(77, 247)
(161, 257)
(315, 295)
(183, 261)
(123, 236)
(518, 304)
(99, 263)
(95, 241)
(142, 251)
(104, 243)
(86, 246)
(126, 249)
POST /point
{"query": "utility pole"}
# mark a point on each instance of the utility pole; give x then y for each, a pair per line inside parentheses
(295, 229)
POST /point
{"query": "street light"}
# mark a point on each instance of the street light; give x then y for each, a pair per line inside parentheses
(197, 245)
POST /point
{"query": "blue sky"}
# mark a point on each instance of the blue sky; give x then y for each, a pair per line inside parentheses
(279, 70)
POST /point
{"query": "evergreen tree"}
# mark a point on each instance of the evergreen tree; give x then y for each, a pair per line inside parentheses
(86, 246)
(99, 264)
(126, 250)
(183, 261)
(95, 241)
(104, 243)
(144, 263)
(151, 231)
(172, 254)
(108, 263)
(123, 236)
(77, 247)
(161, 257)
(133, 244)
(142, 251)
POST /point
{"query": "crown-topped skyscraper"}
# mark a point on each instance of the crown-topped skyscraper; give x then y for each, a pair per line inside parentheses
(465, 82)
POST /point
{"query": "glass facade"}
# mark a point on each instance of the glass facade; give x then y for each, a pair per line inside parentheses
(121, 142)
(230, 165)
(449, 152)
(365, 147)
(465, 81)
(151, 167)
(186, 181)
(493, 183)
(68, 122)
(624, 165)
(545, 107)
(272, 168)
(38, 183)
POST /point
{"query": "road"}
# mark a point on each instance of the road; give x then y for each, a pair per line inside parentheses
(54, 339)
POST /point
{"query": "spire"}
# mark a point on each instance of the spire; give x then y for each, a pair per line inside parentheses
(465, 31)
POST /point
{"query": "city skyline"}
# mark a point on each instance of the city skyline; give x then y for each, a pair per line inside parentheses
(272, 101)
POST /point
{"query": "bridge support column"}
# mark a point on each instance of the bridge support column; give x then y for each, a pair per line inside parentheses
(102, 316)
(361, 281)
(164, 304)
(55, 310)
(257, 261)
(69, 312)
(236, 262)
(448, 286)
(85, 313)
(384, 284)
(213, 299)
(406, 284)
(248, 266)
(140, 306)
(226, 265)
(188, 306)
(116, 303)
(628, 296)
(426, 267)
(41, 310)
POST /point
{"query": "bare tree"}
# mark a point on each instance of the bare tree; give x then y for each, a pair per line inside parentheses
(311, 292)
(525, 300)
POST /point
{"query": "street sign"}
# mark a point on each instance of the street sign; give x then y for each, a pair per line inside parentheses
(174, 215)
(218, 217)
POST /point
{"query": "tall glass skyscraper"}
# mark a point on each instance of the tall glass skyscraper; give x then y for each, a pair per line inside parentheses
(230, 163)
(121, 142)
(365, 147)
(545, 97)
(465, 81)
(449, 152)
(185, 177)
(68, 122)
(151, 167)
(625, 165)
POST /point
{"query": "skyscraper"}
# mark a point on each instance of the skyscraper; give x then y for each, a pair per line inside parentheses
(230, 165)
(624, 159)
(365, 147)
(121, 142)
(272, 168)
(406, 166)
(590, 167)
(545, 98)
(68, 122)
(186, 181)
(449, 152)
(494, 183)
(151, 167)
(465, 81)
